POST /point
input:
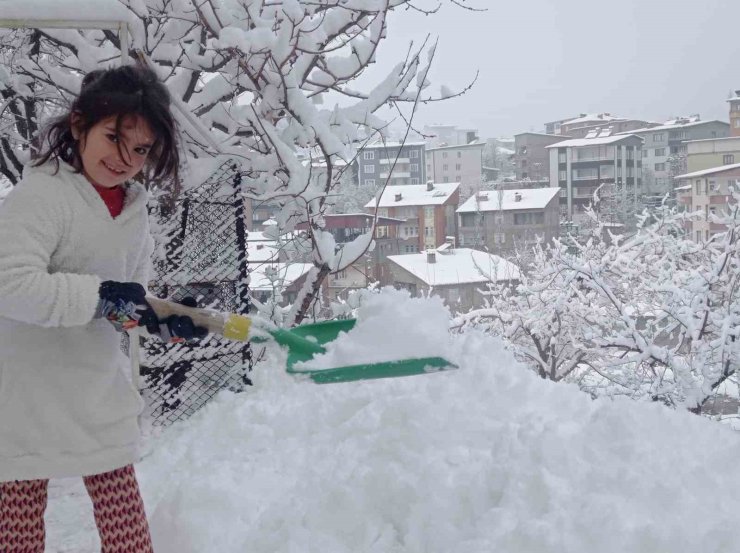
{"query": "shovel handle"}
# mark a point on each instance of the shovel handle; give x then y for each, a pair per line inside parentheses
(228, 325)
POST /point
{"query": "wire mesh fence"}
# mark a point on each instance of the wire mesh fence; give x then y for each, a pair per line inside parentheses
(201, 253)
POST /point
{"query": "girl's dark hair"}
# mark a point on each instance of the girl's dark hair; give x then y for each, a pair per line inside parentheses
(121, 92)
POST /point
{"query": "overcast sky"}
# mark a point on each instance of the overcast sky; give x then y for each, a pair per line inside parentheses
(542, 60)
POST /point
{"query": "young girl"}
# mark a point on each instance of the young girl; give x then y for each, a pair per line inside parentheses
(74, 251)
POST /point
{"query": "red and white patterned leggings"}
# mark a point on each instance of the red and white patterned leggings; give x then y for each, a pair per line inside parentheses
(119, 513)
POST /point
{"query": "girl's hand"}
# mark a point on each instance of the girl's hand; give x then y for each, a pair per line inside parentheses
(121, 303)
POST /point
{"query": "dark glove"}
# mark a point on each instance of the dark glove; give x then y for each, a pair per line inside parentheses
(175, 328)
(120, 303)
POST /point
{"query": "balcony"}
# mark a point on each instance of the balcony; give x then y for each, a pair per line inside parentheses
(719, 199)
(399, 161)
(396, 175)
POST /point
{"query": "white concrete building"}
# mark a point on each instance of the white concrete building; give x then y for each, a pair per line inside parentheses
(463, 164)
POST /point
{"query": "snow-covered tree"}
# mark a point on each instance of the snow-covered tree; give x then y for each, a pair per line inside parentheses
(535, 317)
(257, 80)
(651, 314)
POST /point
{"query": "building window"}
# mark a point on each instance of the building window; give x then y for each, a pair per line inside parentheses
(369, 168)
(414, 167)
(660, 166)
(712, 186)
(562, 157)
(428, 212)
(414, 180)
(562, 175)
(445, 179)
(369, 182)
(414, 154)
(697, 187)
(529, 218)
(458, 178)
(457, 166)
(368, 155)
(459, 154)
(737, 123)
(698, 236)
(659, 152)
(444, 154)
(445, 167)
(499, 238)
(645, 153)
(728, 159)
(658, 137)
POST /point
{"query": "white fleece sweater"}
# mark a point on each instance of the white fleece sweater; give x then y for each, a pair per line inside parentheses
(67, 407)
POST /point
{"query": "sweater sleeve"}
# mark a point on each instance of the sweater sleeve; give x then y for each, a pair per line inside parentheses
(32, 225)
(143, 270)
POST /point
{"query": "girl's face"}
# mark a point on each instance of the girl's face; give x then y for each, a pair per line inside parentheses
(102, 163)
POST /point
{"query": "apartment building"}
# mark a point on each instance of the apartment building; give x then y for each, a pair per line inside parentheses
(712, 152)
(566, 126)
(392, 162)
(734, 102)
(531, 156)
(665, 149)
(708, 191)
(428, 212)
(462, 164)
(503, 221)
(578, 166)
(448, 135)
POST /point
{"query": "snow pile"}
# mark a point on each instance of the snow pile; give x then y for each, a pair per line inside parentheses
(486, 458)
(416, 328)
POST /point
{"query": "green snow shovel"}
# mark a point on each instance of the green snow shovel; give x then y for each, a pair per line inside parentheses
(302, 342)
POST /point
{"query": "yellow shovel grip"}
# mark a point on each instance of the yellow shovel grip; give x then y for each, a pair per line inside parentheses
(236, 327)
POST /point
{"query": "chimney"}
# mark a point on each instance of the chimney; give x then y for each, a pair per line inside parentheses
(431, 256)
(517, 197)
(398, 197)
(451, 241)
(430, 185)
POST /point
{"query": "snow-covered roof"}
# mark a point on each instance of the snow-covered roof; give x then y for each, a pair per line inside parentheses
(289, 272)
(591, 117)
(392, 144)
(561, 136)
(258, 251)
(415, 194)
(673, 125)
(457, 266)
(578, 142)
(682, 188)
(29, 11)
(711, 171)
(530, 198)
(474, 144)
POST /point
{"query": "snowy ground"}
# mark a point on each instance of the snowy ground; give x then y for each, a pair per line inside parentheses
(486, 458)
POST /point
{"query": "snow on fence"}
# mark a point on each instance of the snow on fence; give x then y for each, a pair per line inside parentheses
(201, 252)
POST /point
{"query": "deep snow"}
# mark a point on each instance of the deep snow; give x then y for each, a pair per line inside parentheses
(486, 458)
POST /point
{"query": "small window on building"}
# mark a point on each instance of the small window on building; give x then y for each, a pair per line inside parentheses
(562, 158)
(660, 166)
(737, 123)
(563, 175)
(414, 154)
(369, 168)
(728, 159)
(445, 167)
(457, 166)
(459, 154)
(369, 182)
(414, 167)
(659, 152)
(368, 155)
(444, 154)
(414, 180)
(445, 179)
